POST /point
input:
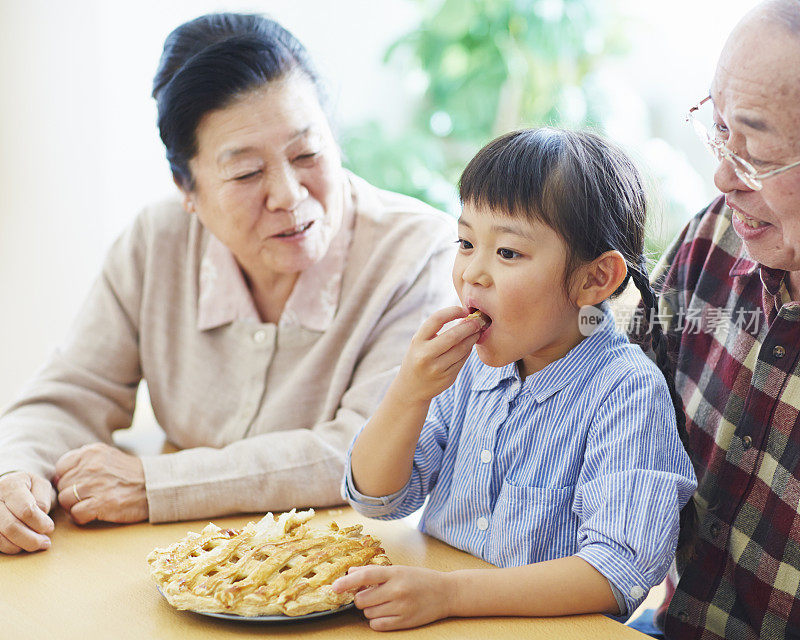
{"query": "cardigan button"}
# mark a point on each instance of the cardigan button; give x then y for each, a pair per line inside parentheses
(779, 351)
(683, 616)
(747, 442)
(714, 529)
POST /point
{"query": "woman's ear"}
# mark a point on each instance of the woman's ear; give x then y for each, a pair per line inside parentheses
(600, 278)
(186, 195)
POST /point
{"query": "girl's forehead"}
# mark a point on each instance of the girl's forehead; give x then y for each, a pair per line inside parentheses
(485, 219)
(472, 211)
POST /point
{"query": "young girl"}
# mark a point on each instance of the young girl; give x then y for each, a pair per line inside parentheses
(543, 451)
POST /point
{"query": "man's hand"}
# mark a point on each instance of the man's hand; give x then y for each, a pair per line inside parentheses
(25, 500)
(100, 482)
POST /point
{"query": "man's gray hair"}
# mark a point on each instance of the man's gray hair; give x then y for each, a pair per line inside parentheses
(787, 12)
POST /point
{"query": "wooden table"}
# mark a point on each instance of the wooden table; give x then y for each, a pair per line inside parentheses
(94, 583)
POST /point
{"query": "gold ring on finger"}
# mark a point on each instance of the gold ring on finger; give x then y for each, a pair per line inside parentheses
(75, 491)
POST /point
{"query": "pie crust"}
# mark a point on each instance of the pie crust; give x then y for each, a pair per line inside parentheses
(278, 566)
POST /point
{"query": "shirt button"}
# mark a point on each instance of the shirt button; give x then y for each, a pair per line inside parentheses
(714, 529)
(483, 523)
(779, 351)
(683, 616)
(486, 456)
(636, 592)
(747, 442)
(259, 336)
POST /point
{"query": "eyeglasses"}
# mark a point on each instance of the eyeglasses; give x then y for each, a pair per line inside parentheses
(745, 171)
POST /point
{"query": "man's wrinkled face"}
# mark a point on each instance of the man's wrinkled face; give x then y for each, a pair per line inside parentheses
(756, 96)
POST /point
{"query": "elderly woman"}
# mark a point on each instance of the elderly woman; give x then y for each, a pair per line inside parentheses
(267, 314)
(731, 299)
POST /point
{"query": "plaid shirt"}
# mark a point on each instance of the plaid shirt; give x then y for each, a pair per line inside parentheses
(736, 338)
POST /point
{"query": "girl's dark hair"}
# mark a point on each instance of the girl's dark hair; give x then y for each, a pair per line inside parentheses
(590, 193)
(211, 61)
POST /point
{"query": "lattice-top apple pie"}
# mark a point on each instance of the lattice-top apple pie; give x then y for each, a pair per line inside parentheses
(278, 566)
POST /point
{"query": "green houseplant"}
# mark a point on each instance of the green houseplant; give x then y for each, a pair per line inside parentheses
(488, 66)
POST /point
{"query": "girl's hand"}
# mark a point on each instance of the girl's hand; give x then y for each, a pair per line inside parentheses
(398, 597)
(383, 453)
(434, 359)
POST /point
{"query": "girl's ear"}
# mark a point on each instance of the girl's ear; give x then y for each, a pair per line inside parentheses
(186, 196)
(600, 278)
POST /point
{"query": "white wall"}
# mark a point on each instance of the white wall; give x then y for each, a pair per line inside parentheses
(79, 149)
(674, 49)
(80, 154)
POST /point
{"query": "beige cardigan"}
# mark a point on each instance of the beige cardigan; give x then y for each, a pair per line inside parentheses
(263, 413)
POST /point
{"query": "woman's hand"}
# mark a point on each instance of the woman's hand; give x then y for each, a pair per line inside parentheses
(398, 597)
(100, 482)
(25, 500)
(434, 359)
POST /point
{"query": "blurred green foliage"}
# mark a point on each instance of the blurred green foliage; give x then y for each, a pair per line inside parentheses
(485, 67)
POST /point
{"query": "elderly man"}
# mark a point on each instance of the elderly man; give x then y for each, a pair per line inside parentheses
(730, 288)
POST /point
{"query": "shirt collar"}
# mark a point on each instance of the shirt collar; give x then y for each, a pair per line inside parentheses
(225, 297)
(773, 280)
(487, 378)
(315, 297)
(556, 375)
(743, 266)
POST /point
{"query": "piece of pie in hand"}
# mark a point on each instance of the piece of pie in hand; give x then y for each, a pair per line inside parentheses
(279, 566)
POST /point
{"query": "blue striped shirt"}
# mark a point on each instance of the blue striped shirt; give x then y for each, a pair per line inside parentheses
(581, 458)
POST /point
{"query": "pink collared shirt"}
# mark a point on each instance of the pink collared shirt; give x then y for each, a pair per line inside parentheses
(262, 413)
(225, 297)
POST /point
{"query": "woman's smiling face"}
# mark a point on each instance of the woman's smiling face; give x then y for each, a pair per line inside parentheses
(512, 270)
(268, 178)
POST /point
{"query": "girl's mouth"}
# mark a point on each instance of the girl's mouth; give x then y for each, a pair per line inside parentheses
(294, 231)
(484, 318)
